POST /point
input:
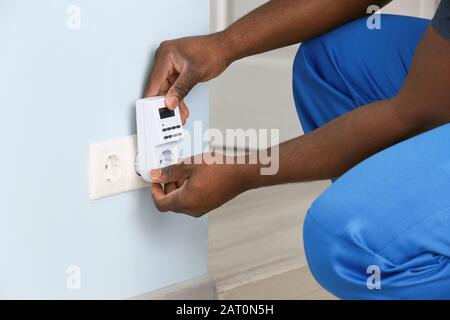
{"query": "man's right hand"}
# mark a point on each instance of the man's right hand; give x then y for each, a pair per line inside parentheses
(182, 63)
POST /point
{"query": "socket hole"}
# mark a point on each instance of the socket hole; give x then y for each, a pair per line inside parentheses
(112, 169)
(166, 157)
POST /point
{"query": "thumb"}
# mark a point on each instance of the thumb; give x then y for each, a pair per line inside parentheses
(180, 89)
(171, 173)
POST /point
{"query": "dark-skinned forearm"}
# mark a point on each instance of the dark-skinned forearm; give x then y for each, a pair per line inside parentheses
(333, 149)
(328, 152)
(281, 23)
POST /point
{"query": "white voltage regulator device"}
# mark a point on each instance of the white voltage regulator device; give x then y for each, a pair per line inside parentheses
(159, 136)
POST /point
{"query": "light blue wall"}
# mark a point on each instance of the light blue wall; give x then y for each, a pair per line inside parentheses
(61, 90)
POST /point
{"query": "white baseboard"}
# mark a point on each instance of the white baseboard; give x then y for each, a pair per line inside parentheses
(201, 288)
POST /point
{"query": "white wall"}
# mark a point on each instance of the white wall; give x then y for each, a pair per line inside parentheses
(415, 8)
(61, 90)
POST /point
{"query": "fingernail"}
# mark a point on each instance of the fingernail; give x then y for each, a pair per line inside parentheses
(155, 174)
(174, 102)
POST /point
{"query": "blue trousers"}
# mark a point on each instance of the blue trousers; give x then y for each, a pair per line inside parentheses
(382, 230)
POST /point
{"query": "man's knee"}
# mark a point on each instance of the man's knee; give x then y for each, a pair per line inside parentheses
(320, 73)
(306, 85)
(322, 251)
(330, 52)
(341, 57)
(356, 250)
(338, 252)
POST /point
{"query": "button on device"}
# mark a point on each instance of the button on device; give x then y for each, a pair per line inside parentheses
(164, 129)
(178, 127)
(173, 128)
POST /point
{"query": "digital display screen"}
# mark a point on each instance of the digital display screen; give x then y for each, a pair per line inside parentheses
(166, 113)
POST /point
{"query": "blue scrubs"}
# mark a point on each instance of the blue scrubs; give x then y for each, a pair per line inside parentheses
(391, 211)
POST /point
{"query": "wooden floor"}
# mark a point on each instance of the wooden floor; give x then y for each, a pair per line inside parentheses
(297, 284)
(255, 245)
(256, 250)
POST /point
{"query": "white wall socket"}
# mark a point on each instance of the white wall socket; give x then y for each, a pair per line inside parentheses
(111, 168)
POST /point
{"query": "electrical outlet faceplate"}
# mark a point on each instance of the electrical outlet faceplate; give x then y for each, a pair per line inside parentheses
(112, 168)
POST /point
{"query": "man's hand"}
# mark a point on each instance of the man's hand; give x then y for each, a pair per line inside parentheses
(196, 189)
(181, 64)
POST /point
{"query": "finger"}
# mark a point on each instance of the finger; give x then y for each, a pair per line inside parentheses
(184, 112)
(165, 86)
(180, 183)
(162, 201)
(158, 76)
(170, 174)
(181, 87)
(169, 187)
(193, 160)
